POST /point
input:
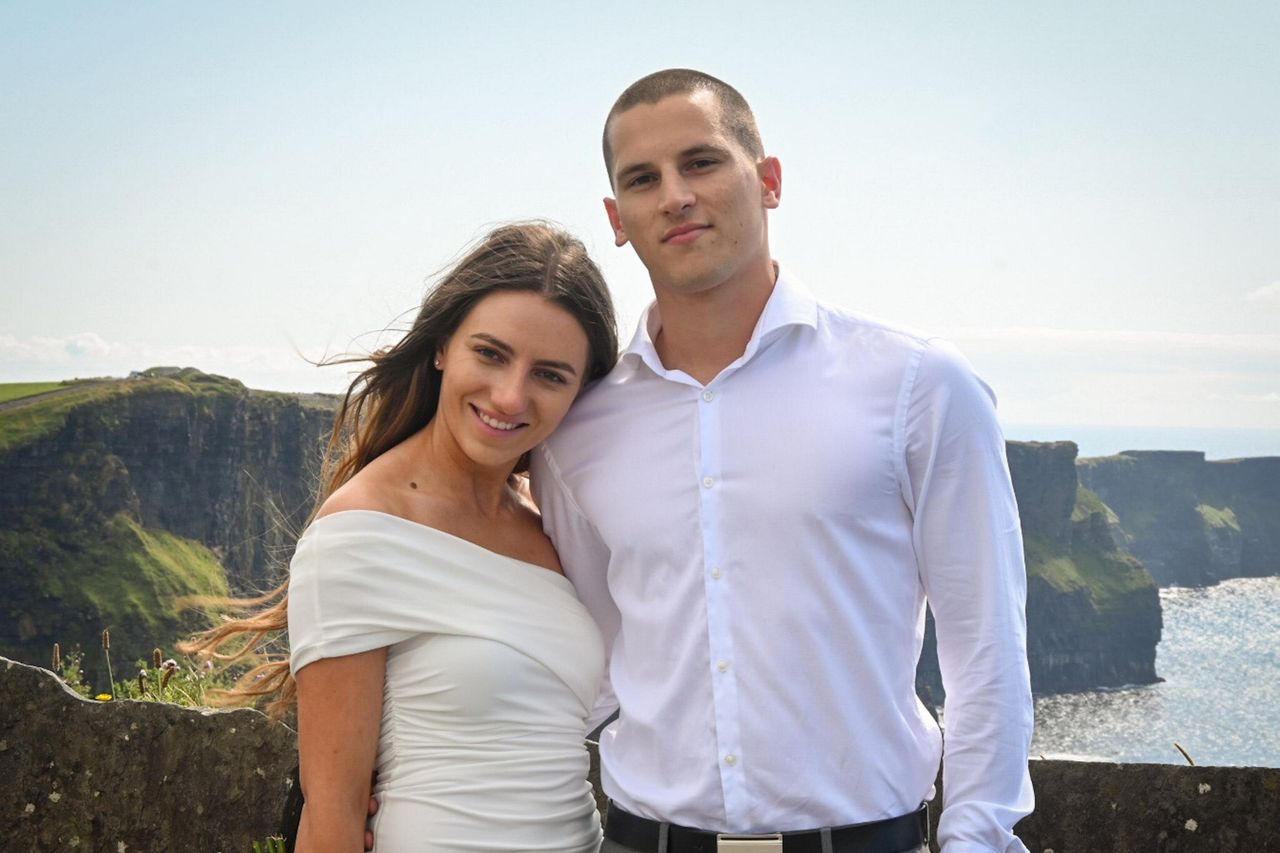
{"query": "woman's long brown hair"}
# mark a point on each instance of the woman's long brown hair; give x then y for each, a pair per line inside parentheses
(396, 395)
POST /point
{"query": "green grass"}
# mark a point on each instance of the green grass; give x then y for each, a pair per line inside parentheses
(1215, 517)
(1087, 504)
(116, 575)
(26, 424)
(18, 390)
(1110, 576)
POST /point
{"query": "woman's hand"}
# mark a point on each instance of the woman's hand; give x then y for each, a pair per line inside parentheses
(339, 714)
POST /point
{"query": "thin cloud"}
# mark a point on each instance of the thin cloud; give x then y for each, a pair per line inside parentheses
(1266, 293)
(88, 354)
(1119, 339)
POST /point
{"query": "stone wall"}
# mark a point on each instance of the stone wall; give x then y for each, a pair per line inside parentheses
(132, 776)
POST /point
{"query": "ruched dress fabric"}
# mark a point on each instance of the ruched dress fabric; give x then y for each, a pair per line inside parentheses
(492, 668)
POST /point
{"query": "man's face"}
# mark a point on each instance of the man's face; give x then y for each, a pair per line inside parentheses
(690, 200)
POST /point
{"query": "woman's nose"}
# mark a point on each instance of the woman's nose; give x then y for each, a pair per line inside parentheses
(508, 393)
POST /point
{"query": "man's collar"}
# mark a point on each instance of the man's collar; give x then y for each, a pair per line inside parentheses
(790, 304)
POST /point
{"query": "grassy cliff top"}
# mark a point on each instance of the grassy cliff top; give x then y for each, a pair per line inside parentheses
(1110, 575)
(30, 410)
(18, 390)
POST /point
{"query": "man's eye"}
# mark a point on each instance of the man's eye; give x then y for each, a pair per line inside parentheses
(702, 164)
(640, 180)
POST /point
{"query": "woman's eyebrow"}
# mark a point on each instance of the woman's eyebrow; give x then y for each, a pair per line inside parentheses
(498, 343)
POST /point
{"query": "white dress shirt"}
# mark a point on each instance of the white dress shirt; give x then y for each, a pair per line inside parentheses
(757, 552)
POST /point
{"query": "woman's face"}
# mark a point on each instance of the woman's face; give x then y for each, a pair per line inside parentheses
(510, 372)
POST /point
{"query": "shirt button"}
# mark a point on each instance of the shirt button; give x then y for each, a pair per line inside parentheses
(708, 482)
(716, 573)
(731, 759)
(708, 395)
(723, 666)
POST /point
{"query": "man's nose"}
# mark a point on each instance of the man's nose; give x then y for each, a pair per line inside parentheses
(677, 195)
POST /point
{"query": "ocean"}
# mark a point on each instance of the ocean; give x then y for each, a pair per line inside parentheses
(1219, 656)
(1109, 440)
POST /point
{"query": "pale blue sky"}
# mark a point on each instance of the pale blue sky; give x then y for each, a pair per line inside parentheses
(1085, 196)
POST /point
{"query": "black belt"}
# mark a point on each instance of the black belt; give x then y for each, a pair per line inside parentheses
(906, 832)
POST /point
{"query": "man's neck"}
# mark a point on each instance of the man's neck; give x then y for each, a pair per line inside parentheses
(703, 333)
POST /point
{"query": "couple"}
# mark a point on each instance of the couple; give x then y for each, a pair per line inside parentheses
(751, 506)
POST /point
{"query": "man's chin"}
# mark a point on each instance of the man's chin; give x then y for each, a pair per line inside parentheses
(689, 282)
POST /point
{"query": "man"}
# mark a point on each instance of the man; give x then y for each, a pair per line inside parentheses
(754, 506)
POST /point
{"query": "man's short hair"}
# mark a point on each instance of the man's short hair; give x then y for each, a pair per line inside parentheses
(735, 112)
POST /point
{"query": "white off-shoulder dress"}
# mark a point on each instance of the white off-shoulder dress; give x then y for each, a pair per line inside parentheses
(492, 668)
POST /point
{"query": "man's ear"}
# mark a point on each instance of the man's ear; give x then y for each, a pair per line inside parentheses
(619, 235)
(770, 171)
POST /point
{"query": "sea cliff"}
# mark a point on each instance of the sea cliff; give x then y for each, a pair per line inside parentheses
(121, 497)
(1093, 611)
(1190, 521)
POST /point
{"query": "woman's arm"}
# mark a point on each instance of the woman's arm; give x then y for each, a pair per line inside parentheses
(339, 713)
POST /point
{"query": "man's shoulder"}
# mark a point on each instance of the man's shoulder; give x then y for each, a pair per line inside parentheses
(599, 401)
(906, 347)
(843, 324)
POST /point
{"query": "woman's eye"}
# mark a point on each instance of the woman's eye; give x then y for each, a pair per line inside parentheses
(489, 353)
(552, 376)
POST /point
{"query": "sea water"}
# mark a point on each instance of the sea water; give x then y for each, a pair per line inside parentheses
(1219, 656)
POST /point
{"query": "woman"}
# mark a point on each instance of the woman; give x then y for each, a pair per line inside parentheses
(433, 636)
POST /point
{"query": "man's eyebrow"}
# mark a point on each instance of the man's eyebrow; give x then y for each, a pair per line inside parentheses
(705, 148)
(633, 169)
(499, 344)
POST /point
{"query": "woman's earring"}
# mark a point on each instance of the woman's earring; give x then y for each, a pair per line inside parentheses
(437, 362)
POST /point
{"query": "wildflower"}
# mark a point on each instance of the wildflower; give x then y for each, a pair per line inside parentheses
(103, 697)
(57, 657)
(164, 679)
(168, 664)
(156, 655)
(142, 680)
(106, 640)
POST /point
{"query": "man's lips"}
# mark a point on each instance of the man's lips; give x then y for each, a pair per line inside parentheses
(684, 233)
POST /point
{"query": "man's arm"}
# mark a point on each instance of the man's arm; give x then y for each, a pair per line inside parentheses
(339, 714)
(585, 559)
(969, 550)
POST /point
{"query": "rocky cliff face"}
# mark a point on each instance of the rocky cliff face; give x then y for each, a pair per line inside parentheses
(1093, 611)
(1190, 521)
(147, 489)
(171, 484)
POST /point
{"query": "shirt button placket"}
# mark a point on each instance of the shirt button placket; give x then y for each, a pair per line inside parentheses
(724, 691)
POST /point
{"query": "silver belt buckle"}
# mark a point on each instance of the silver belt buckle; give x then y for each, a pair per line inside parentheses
(728, 842)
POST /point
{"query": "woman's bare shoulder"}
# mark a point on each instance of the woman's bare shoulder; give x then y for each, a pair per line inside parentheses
(365, 491)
